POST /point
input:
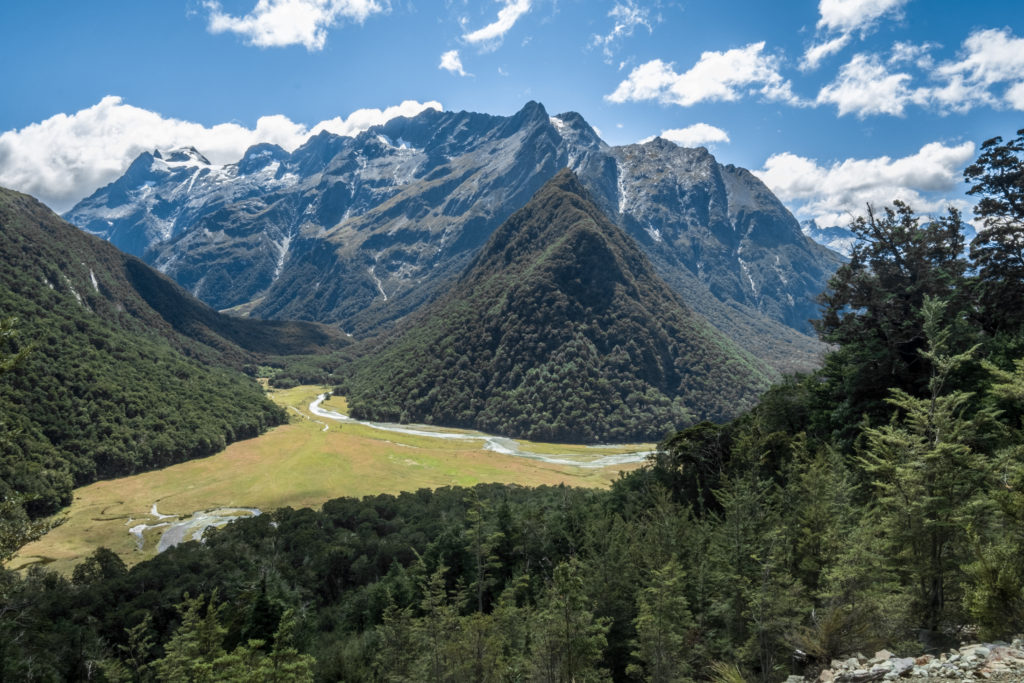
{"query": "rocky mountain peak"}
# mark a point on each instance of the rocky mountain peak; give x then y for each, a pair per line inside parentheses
(258, 157)
(576, 131)
(182, 155)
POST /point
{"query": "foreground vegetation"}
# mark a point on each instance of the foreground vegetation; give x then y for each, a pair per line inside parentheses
(879, 501)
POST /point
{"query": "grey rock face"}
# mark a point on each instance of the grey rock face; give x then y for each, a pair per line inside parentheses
(359, 231)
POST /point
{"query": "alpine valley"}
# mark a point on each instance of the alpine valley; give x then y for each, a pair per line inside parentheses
(517, 276)
(360, 231)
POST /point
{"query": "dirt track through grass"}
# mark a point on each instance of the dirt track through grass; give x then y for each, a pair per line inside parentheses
(295, 465)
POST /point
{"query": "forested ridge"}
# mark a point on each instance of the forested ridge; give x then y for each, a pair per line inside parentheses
(118, 369)
(558, 331)
(876, 502)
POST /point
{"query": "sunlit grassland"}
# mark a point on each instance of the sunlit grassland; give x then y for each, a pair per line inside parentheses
(297, 465)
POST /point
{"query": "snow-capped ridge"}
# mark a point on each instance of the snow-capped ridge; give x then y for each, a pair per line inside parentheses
(182, 155)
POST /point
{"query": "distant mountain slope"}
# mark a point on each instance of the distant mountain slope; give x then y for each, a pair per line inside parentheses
(842, 240)
(560, 330)
(360, 231)
(125, 371)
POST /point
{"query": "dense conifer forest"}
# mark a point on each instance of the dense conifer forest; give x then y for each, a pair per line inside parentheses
(876, 502)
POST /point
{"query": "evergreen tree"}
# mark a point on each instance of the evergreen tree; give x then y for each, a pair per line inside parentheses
(285, 664)
(394, 658)
(930, 481)
(510, 635)
(995, 594)
(568, 640)
(481, 544)
(192, 654)
(438, 630)
(664, 627)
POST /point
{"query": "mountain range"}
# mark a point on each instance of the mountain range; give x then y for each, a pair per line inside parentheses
(558, 331)
(360, 231)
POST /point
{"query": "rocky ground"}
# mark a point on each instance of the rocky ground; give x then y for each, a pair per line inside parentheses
(998, 661)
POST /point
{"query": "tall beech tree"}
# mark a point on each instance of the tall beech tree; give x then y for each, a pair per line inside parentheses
(872, 309)
(998, 250)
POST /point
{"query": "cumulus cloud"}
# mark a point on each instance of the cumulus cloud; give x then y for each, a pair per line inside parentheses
(989, 71)
(627, 17)
(840, 19)
(492, 34)
(865, 86)
(816, 53)
(910, 53)
(450, 61)
(989, 57)
(361, 119)
(693, 136)
(832, 194)
(724, 76)
(854, 15)
(68, 156)
(1015, 96)
(279, 23)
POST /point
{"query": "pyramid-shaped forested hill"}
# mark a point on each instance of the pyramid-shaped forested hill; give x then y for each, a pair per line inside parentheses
(559, 330)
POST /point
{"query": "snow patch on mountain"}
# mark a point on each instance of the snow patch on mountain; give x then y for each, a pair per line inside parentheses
(282, 255)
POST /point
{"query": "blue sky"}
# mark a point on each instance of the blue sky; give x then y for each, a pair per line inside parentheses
(833, 103)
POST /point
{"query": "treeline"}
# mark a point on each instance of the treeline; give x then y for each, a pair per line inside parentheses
(877, 502)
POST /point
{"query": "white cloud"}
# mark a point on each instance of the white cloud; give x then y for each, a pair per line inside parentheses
(66, 157)
(1015, 96)
(909, 53)
(491, 35)
(816, 53)
(852, 15)
(628, 16)
(832, 194)
(450, 61)
(864, 86)
(278, 23)
(844, 17)
(361, 119)
(725, 76)
(989, 60)
(957, 95)
(693, 136)
(990, 57)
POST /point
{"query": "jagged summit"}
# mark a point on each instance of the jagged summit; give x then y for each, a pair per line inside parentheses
(561, 331)
(182, 155)
(258, 157)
